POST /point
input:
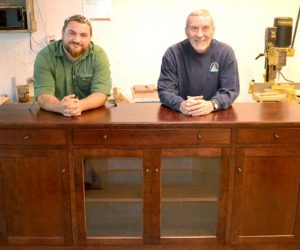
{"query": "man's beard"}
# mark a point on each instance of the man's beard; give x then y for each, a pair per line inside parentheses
(201, 46)
(74, 53)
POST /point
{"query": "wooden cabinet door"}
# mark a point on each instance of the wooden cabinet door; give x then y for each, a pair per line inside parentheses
(145, 195)
(34, 197)
(194, 184)
(110, 196)
(266, 195)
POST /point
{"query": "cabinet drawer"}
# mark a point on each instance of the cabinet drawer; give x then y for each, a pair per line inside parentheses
(151, 136)
(33, 137)
(269, 136)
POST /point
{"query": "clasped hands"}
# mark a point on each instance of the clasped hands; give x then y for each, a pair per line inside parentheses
(70, 106)
(196, 105)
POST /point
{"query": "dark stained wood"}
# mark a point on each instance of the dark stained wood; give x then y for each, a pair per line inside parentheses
(33, 137)
(158, 137)
(154, 115)
(151, 192)
(79, 155)
(260, 174)
(223, 195)
(178, 245)
(269, 136)
(36, 197)
(266, 204)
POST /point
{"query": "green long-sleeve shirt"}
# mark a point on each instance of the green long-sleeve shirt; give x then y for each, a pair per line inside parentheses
(55, 75)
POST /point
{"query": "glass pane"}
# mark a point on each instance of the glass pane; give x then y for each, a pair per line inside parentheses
(190, 192)
(113, 196)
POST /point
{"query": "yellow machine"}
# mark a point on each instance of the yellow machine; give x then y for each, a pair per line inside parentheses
(278, 46)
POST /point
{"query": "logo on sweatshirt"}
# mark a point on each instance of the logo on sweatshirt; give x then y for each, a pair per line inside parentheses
(214, 67)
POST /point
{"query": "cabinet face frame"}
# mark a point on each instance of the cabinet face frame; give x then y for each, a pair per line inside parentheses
(152, 193)
(79, 155)
(245, 165)
(224, 154)
(57, 158)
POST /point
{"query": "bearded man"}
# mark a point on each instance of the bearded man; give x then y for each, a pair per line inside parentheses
(72, 75)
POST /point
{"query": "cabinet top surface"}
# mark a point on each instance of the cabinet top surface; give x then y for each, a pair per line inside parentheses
(154, 115)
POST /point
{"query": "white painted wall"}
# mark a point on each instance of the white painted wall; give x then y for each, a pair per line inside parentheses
(141, 30)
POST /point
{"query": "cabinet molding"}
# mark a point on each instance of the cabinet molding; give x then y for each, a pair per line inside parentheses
(240, 166)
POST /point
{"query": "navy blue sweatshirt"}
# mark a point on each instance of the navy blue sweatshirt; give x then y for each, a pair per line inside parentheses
(185, 72)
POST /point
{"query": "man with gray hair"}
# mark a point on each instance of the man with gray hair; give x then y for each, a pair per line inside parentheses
(199, 75)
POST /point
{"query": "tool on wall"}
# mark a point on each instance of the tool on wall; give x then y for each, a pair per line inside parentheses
(279, 44)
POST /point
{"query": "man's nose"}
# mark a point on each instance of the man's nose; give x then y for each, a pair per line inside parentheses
(76, 38)
(200, 33)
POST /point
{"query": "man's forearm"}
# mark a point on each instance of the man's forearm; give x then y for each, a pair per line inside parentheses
(92, 101)
(49, 103)
(70, 105)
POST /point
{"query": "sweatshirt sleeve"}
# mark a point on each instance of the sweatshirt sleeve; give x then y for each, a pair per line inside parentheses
(229, 85)
(168, 82)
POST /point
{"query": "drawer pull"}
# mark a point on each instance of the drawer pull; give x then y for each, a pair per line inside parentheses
(239, 170)
(104, 137)
(199, 136)
(26, 137)
(276, 136)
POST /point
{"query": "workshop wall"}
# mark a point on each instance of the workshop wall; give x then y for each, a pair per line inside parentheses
(140, 31)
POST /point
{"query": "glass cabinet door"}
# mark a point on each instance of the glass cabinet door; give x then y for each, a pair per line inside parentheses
(190, 194)
(113, 196)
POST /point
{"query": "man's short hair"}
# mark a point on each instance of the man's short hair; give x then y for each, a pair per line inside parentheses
(79, 19)
(203, 13)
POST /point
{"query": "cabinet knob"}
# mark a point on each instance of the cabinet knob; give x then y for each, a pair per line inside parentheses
(63, 170)
(156, 170)
(26, 137)
(239, 170)
(147, 170)
(199, 136)
(276, 136)
(104, 137)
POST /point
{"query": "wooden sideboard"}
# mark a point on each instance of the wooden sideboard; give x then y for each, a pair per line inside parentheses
(228, 180)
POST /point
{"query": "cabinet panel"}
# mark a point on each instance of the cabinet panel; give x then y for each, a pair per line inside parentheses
(133, 137)
(190, 192)
(109, 196)
(269, 136)
(267, 195)
(138, 195)
(35, 197)
(33, 137)
(113, 201)
(193, 190)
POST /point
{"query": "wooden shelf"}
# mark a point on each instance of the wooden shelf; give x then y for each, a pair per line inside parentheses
(200, 199)
(192, 193)
(114, 194)
(132, 194)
